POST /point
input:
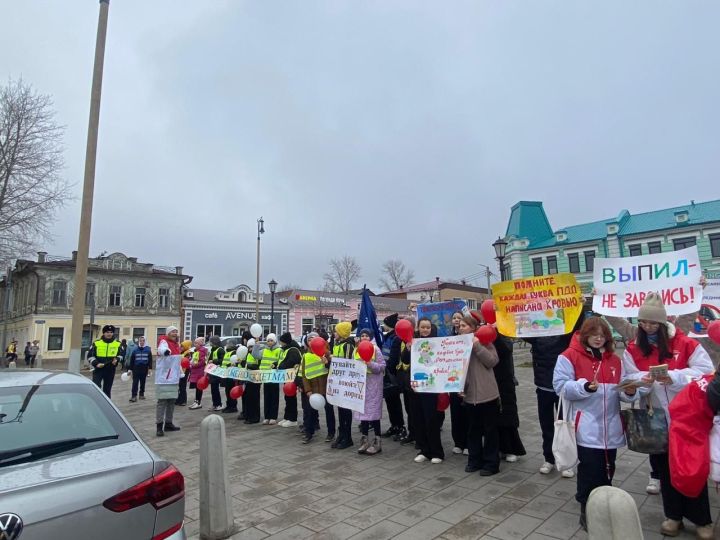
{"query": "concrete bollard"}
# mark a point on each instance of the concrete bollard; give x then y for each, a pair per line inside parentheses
(612, 515)
(38, 361)
(216, 515)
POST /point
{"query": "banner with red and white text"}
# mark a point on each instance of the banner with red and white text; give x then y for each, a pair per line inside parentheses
(622, 283)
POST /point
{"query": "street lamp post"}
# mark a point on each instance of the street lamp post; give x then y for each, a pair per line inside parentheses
(261, 230)
(273, 288)
(500, 246)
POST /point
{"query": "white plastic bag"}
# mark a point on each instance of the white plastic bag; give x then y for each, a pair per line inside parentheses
(564, 445)
(715, 450)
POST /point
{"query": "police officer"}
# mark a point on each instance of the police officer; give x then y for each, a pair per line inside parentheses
(104, 355)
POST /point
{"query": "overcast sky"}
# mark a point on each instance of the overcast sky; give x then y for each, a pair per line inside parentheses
(377, 129)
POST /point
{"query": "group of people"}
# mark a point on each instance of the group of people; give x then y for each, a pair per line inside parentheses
(32, 348)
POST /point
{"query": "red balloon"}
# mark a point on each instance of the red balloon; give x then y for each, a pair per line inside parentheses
(185, 363)
(443, 402)
(203, 383)
(488, 311)
(486, 334)
(318, 346)
(236, 392)
(366, 350)
(714, 331)
(404, 330)
(290, 389)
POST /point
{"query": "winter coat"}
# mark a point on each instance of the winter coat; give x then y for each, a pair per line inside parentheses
(316, 385)
(197, 364)
(597, 413)
(690, 361)
(505, 378)
(167, 391)
(545, 352)
(480, 384)
(373, 388)
(34, 350)
(141, 357)
(713, 394)
(291, 356)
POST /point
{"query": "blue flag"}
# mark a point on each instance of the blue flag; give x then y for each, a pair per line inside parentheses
(368, 319)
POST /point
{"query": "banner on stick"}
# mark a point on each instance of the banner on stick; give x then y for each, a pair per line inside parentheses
(279, 376)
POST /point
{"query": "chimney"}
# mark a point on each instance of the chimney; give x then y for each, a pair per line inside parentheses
(41, 256)
(179, 270)
(74, 256)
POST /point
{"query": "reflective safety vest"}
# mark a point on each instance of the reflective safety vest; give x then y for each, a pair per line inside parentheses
(104, 349)
(215, 354)
(250, 362)
(402, 366)
(226, 359)
(313, 366)
(269, 358)
(339, 350)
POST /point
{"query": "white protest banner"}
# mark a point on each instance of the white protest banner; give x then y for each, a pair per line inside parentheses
(346, 384)
(439, 364)
(710, 309)
(167, 369)
(622, 283)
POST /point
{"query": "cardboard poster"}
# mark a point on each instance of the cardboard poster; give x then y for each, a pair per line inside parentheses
(440, 314)
(439, 364)
(167, 369)
(346, 384)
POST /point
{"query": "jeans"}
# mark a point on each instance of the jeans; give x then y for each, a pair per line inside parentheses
(483, 439)
(596, 467)
(139, 375)
(164, 411)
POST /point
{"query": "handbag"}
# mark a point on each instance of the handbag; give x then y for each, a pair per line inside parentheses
(564, 446)
(646, 430)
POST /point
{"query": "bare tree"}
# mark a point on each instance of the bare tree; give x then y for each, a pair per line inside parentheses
(289, 287)
(31, 188)
(396, 275)
(343, 273)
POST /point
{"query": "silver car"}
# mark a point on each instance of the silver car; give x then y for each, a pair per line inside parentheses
(72, 467)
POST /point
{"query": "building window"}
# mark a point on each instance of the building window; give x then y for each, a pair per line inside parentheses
(682, 243)
(55, 339)
(537, 267)
(307, 325)
(635, 250)
(89, 294)
(207, 330)
(139, 296)
(715, 245)
(137, 333)
(160, 332)
(589, 261)
(472, 303)
(163, 297)
(552, 265)
(654, 247)
(574, 262)
(506, 271)
(115, 295)
(59, 297)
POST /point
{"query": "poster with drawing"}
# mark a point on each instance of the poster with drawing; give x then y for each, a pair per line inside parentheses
(439, 364)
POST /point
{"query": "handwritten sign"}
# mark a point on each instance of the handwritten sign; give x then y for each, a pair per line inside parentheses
(167, 369)
(279, 376)
(537, 306)
(710, 310)
(621, 284)
(346, 384)
(440, 314)
(439, 364)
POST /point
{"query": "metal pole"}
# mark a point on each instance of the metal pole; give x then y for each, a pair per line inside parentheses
(502, 268)
(81, 262)
(6, 311)
(272, 310)
(257, 282)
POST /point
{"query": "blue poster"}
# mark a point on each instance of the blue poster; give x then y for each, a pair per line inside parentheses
(440, 314)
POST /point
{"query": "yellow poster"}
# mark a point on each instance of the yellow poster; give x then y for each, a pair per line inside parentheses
(537, 306)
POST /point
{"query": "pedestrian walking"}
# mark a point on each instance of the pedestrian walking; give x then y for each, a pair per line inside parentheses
(139, 366)
(34, 351)
(104, 355)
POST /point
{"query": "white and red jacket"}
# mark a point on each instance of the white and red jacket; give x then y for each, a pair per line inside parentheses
(689, 361)
(597, 414)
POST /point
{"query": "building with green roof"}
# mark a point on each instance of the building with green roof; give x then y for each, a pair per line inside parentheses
(535, 249)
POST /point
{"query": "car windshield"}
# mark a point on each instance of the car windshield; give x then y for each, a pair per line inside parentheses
(40, 417)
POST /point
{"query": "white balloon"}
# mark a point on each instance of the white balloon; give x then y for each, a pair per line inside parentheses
(242, 352)
(182, 374)
(317, 401)
(233, 359)
(125, 377)
(256, 330)
(251, 343)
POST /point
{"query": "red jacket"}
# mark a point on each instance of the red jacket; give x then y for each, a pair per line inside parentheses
(681, 347)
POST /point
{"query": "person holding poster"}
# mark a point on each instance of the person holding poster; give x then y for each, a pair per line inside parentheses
(482, 400)
(314, 371)
(166, 394)
(660, 343)
(343, 347)
(587, 375)
(373, 397)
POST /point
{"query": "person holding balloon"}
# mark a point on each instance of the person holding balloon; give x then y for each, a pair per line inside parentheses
(290, 358)
(198, 380)
(482, 399)
(230, 360)
(314, 367)
(252, 389)
(166, 394)
(405, 330)
(271, 391)
(186, 350)
(371, 354)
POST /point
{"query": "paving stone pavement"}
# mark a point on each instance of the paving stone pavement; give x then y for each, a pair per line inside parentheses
(283, 489)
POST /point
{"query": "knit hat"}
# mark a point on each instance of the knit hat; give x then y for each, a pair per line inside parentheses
(653, 309)
(106, 328)
(271, 337)
(215, 340)
(171, 329)
(286, 338)
(343, 329)
(311, 336)
(391, 320)
(185, 345)
(367, 332)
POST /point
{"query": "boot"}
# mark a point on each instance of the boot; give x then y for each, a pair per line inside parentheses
(400, 435)
(375, 447)
(160, 431)
(670, 527)
(705, 532)
(169, 426)
(390, 432)
(344, 443)
(364, 445)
